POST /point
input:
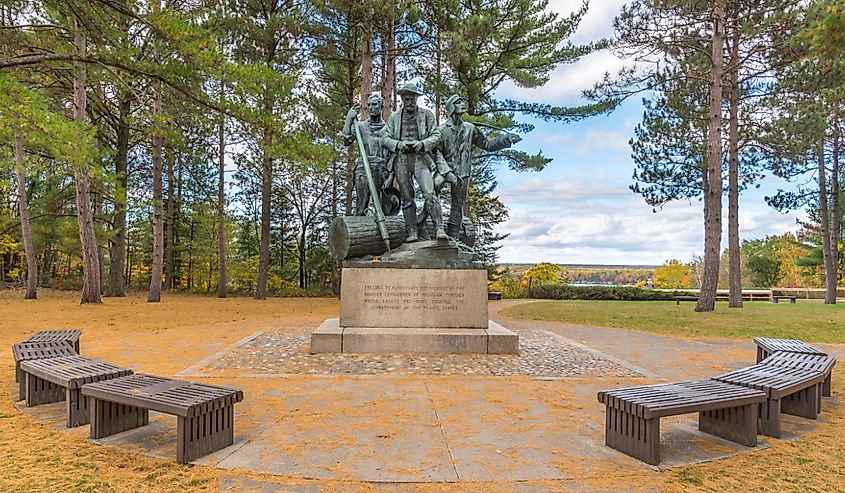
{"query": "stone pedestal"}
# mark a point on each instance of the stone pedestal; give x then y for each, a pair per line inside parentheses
(422, 297)
(414, 298)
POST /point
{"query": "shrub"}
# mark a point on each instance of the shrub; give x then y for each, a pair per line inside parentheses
(510, 286)
(559, 291)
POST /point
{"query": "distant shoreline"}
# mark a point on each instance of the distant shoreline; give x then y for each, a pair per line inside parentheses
(588, 266)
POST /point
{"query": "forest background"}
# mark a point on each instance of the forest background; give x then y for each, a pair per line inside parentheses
(192, 145)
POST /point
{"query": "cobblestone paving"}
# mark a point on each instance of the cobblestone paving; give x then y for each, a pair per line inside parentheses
(542, 354)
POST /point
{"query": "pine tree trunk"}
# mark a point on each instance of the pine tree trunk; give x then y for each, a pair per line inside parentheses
(366, 67)
(84, 213)
(830, 269)
(350, 182)
(26, 231)
(836, 209)
(222, 289)
(158, 213)
(169, 239)
(438, 61)
(46, 266)
(352, 70)
(117, 250)
(301, 250)
(734, 267)
(389, 61)
(101, 252)
(713, 221)
(264, 245)
(191, 257)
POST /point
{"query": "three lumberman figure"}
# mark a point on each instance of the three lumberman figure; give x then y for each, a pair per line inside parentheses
(412, 149)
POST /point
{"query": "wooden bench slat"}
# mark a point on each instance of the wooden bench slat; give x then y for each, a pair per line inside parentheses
(776, 381)
(55, 335)
(773, 345)
(205, 413)
(161, 394)
(632, 415)
(39, 350)
(55, 379)
(819, 362)
(678, 398)
(70, 335)
(71, 371)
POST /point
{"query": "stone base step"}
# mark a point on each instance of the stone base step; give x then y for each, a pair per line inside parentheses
(330, 337)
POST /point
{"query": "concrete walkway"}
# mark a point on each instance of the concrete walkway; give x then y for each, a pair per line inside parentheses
(392, 430)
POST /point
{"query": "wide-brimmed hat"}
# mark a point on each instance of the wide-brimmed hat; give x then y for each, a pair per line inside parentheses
(450, 104)
(410, 88)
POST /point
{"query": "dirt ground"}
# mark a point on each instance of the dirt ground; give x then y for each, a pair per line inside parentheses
(166, 338)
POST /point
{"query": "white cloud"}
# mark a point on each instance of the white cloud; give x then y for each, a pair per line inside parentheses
(592, 217)
(598, 21)
(584, 143)
(567, 82)
(600, 221)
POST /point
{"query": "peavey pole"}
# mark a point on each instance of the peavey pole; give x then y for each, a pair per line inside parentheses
(374, 193)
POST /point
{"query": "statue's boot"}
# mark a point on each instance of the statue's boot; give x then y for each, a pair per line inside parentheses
(436, 214)
(410, 215)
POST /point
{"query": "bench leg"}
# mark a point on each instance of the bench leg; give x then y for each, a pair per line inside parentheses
(770, 418)
(826, 385)
(633, 435)
(761, 354)
(108, 418)
(40, 391)
(737, 424)
(77, 408)
(804, 403)
(204, 434)
(22, 388)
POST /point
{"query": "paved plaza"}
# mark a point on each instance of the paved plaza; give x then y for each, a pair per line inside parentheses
(394, 420)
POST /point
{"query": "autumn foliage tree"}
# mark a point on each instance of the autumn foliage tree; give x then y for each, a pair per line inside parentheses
(542, 273)
(673, 275)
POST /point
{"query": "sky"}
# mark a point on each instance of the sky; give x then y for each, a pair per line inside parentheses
(579, 210)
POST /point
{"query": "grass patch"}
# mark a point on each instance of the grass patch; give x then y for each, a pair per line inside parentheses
(809, 321)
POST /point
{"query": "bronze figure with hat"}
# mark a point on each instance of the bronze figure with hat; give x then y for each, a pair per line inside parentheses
(457, 138)
(412, 133)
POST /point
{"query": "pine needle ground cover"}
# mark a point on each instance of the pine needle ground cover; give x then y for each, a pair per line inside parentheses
(813, 463)
(166, 337)
(810, 321)
(183, 329)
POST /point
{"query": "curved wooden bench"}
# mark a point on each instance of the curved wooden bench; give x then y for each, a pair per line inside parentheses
(632, 418)
(818, 362)
(205, 413)
(792, 391)
(767, 346)
(27, 351)
(70, 335)
(60, 379)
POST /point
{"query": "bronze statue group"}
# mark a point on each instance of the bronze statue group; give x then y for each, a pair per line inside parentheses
(409, 148)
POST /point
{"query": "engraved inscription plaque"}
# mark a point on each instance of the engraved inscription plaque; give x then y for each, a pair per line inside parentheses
(414, 298)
